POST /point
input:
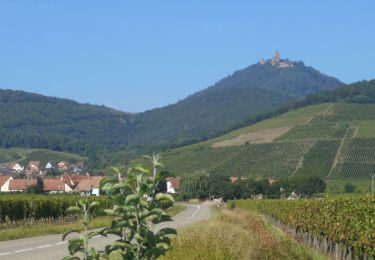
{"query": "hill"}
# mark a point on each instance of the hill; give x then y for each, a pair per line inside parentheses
(332, 140)
(24, 156)
(242, 96)
(36, 121)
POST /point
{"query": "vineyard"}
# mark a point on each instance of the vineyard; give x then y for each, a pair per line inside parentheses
(18, 209)
(272, 159)
(335, 141)
(318, 160)
(341, 227)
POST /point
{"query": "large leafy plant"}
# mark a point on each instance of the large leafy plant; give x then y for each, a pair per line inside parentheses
(137, 207)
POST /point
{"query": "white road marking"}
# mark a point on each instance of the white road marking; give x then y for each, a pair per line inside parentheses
(24, 250)
(195, 212)
(61, 243)
(6, 253)
(40, 247)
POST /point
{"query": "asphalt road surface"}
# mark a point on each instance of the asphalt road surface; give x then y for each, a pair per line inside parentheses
(52, 247)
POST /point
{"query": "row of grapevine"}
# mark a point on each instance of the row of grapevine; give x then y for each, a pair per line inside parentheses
(318, 160)
(344, 227)
(346, 112)
(354, 170)
(316, 131)
(276, 159)
(19, 208)
(356, 160)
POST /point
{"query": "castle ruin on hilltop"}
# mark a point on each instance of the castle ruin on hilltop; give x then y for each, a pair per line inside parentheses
(276, 61)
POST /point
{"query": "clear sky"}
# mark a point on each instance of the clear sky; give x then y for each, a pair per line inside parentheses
(137, 55)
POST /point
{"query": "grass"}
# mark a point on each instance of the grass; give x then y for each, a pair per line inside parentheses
(32, 230)
(176, 209)
(27, 230)
(366, 128)
(336, 187)
(236, 234)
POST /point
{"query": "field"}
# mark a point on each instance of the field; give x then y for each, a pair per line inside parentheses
(343, 227)
(245, 236)
(335, 141)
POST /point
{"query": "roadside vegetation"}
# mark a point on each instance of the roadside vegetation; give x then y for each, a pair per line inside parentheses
(236, 234)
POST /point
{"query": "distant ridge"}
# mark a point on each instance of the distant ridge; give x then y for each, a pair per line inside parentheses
(36, 121)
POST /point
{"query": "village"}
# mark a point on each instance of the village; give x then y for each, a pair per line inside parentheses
(62, 177)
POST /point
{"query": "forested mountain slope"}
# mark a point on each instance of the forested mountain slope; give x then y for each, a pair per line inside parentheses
(331, 140)
(244, 95)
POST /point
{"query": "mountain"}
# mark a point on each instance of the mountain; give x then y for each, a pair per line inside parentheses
(333, 140)
(35, 121)
(242, 96)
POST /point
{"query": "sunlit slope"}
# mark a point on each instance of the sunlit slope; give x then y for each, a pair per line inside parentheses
(24, 155)
(335, 140)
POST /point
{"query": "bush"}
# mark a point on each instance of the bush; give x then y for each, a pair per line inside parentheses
(350, 188)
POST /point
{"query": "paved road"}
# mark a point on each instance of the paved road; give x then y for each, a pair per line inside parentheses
(52, 247)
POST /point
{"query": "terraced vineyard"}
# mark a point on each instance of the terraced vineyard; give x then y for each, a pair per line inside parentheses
(335, 141)
(318, 160)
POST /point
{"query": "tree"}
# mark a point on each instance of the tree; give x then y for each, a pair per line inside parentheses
(38, 188)
(133, 215)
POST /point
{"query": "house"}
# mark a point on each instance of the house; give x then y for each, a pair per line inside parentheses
(54, 186)
(63, 165)
(17, 168)
(173, 184)
(33, 166)
(4, 183)
(89, 186)
(20, 184)
(76, 178)
(234, 179)
(271, 181)
(78, 167)
(49, 166)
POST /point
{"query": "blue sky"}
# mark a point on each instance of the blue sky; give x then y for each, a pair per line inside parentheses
(137, 55)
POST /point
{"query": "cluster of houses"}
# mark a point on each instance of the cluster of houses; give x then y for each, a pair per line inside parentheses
(17, 178)
(34, 168)
(67, 183)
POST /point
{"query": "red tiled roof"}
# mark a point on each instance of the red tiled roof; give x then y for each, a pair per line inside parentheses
(53, 185)
(175, 182)
(21, 184)
(89, 184)
(78, 178)
(3, 180)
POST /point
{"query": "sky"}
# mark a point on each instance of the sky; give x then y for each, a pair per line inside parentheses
(138, 55)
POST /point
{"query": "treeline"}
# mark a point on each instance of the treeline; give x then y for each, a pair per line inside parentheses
(202, 186)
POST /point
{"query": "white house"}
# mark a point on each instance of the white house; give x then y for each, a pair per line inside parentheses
(89, 186)
(173, 184)
(49, 166)
(4, 183)
(17, 168)
(54, 186)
